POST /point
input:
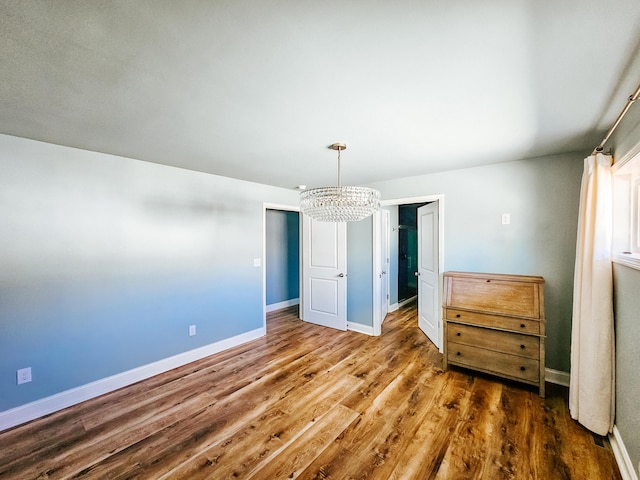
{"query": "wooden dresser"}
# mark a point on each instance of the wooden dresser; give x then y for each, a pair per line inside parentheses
(495, 323)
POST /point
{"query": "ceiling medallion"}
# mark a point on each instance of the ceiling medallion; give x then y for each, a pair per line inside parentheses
(339, 204)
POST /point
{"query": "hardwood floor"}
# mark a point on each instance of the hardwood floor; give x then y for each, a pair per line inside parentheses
(314, 403)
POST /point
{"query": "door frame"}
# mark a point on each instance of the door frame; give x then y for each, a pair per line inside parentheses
(377, 233)
(377, 320)
(286, 208)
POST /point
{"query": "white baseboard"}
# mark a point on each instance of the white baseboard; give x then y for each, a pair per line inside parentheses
(358, 327)
(557, 376)
(30, 411)
(622, 456)
(280, 305)
(406, 301)
(395, 306)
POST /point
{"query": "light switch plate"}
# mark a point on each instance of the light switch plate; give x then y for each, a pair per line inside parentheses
(24, 375)
(257, 262)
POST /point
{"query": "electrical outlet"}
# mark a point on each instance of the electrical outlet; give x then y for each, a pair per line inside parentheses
(192, 330)
(257, 262)
(24, 375)
(506, 218)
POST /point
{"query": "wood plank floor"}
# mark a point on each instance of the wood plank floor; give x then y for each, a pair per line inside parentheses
(314, 403)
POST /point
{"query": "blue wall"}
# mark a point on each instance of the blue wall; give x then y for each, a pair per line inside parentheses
(282, 261)
(105, 262)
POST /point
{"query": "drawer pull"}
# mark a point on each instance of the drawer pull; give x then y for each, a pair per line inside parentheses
(458, 334)
(522, 368)
(522, 325)
(458, 353)
(457, 315)
(522, 347)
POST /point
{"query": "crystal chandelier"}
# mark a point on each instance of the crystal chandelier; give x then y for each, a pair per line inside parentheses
(339, 204)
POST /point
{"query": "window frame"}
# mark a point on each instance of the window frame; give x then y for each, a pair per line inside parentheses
(635, 213)
(626, 209)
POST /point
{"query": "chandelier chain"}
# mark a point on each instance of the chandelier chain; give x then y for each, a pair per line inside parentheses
(339, 182)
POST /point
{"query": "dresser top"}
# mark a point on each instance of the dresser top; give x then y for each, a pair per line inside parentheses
(497, 276)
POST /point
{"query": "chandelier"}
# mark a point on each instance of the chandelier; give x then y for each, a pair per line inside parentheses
(339, 204)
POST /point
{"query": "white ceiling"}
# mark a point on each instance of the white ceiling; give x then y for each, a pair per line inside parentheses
(258, 89)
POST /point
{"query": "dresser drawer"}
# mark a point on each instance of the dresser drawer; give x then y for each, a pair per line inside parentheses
(505, 342)
(503, 364)
(494, 321)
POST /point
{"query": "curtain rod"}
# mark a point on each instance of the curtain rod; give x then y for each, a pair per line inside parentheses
(632, 98)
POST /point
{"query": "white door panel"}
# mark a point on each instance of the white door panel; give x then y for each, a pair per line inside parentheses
(324, 262)
(428, 272)
(325, 295)
(427, 260)
(324, 240)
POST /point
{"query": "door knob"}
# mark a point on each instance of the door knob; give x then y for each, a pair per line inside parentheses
(341, 275)
(417, 274)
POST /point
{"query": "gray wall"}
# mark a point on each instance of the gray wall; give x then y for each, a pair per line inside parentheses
(542, 197)
(105, 262)
(282, 258)
(627, 316)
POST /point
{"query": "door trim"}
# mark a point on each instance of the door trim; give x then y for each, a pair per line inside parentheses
(287, 208)
(378, 319)
(377, 325)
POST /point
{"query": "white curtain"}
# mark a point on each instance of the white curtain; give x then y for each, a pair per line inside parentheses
(592, 388)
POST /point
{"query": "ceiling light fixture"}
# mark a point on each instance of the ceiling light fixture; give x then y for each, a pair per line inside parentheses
(339, 204)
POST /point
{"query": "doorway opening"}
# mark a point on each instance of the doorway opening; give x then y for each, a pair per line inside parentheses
(417, 233)
(407, 252)
(281, 258)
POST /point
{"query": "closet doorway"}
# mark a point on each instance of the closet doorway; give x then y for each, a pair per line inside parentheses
(281, 257)
(417, 275)
(407, 252)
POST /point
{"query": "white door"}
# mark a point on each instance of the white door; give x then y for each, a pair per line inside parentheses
(384, 263)
(428, 273)
(324, 273)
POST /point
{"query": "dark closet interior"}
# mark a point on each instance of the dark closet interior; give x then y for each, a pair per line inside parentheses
(407, 250)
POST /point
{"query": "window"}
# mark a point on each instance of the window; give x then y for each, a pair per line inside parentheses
(626, 210)
(635, 217)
